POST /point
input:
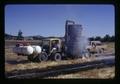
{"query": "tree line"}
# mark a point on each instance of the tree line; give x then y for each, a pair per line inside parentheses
(106, 38)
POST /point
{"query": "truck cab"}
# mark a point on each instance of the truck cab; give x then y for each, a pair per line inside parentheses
(47, 44)
(50, 50)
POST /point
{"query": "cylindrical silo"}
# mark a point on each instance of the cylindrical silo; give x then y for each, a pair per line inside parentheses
(73, 39)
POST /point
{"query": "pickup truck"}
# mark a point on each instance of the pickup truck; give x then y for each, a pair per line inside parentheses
(96, 47)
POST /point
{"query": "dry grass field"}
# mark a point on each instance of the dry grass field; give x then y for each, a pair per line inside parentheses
(110, 47)
(16, 63)
(102, 73)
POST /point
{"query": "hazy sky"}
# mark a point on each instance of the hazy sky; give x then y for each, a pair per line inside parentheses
(49, 20)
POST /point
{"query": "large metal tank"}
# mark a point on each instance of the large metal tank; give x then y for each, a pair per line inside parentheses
(73, 39)
(36, 49)
(27, 50)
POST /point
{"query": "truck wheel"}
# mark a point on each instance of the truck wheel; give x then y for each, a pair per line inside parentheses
(43, 57)
(30, 58)
(57, 57)
(88, 53)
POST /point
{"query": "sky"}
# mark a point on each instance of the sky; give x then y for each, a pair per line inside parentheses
(49, 20)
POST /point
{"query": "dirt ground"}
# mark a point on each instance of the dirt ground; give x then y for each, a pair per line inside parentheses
(14, 62)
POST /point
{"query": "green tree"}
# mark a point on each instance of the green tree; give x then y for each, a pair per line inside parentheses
(20, 37)
(106, 38)
(112, 38)
(98, 38)
(91, 39)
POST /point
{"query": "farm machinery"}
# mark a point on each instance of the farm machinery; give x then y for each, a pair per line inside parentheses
(46, 50)
(56, 49)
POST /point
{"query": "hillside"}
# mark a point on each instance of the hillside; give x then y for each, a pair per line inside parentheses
(34, 37)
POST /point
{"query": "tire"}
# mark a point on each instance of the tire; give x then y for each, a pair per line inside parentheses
(57, 57)
(88, 50)
(30, 58)
(42, 57)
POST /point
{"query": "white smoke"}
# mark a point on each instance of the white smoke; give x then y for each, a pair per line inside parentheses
(83, 44)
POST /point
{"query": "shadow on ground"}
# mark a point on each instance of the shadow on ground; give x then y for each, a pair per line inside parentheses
(17, 62)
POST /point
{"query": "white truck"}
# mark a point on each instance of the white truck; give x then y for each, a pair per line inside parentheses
(96, 47)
